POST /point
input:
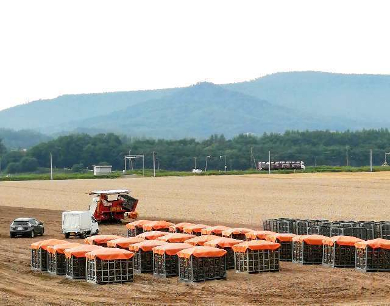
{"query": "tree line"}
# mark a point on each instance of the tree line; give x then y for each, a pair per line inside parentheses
(81, 151)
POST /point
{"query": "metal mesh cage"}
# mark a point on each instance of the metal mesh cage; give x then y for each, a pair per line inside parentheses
(385, 230)
(143, 261)
(306, 253)
(56, 263)
(134, 231)
(285, 250)
(339, 256)
(165, 265)
(75, 267)
(254, 261)
(109, 271)
(196, 269)
(39, 259)
(370, 259)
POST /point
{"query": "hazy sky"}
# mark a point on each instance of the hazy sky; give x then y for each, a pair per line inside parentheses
(49, 48)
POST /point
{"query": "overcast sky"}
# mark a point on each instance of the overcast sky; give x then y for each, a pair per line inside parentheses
(49, 48)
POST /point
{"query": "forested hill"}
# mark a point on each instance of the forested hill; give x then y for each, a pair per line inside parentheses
(273, 103)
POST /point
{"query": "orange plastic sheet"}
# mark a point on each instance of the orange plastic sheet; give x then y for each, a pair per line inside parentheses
(262, 235)
(100, 239)
(156, 225)
(201, 251)
(341, 240)
(124, 242)
(280, 237)
(153, 235)
(201, 240)
(179, 226)
(109, 254)
(310, 239)
(214, 230)
(235, 231)
(60, 248)
(146, 245)
(175, 237)
(46, 243)
(223, 242)
(378, 243)
(81, 250)
(194, 228)
(135, 224)
(255, 245)
(171, 248)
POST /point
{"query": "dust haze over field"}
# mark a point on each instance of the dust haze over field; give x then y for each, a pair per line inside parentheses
(230, 200)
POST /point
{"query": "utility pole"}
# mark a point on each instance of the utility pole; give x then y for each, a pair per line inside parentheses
(154, 164)
(346, 153)
(371, 160)
(195, 162)
(251, 157)
(51, 166)
(207, 157)
(220, 157)
(269, 162)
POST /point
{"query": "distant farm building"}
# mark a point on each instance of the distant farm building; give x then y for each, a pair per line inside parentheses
(102, 170)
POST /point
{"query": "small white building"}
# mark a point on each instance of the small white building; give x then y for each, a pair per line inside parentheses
(102, 170)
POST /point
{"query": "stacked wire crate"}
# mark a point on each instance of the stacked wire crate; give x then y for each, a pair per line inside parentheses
(339, 251)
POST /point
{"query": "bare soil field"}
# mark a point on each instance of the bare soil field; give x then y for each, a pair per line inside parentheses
(230, 200)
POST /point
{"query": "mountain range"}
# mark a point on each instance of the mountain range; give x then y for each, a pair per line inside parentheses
(273, 103)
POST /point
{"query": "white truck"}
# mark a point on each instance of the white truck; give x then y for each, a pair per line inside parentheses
(79, 223)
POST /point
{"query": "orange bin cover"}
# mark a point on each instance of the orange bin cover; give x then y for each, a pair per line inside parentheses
(60, 248)
(109, 254)
(217, 230)
(146, 245)
(156, 225)
(171, 248)
(236, 231)
(310, 239)
(100, 239)
(262, 235)
(45, 243)
(138, 223)
(201, 240)
(152, 235)
(255, 245)
(194, 228)
(223, 242)
(180, 226)
(81, 250)
(341, 240)
(124, 242)
(201, 251)
(280, 237)
(175, 237)
(378, 243)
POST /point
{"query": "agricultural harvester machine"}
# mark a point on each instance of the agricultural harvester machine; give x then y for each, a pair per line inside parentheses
(113, 205)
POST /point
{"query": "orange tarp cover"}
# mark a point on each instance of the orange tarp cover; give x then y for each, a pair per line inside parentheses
(109, 254)
(341, 240)
(310, 239)
(156, 225)
(258, 235)
(201, 240)
(152, 235)
(237, 230)
(180, 226)
(223, 242)
(60, 248)
(100, 239)
(378, 243)
(171, 248)
(175, 237)
(194, 228)
(280, 237)
(255, 245)
(81, 250)
(138, 223)
(45, 243)
(124, 242)
(201, 251)
(146, 245)
(217, 230)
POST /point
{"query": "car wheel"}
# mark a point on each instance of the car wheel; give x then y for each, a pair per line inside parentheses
(43, 230)
(67, 235)
(12, 235)
(32, 235)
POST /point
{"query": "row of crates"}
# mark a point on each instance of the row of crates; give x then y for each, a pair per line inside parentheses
(366, 230)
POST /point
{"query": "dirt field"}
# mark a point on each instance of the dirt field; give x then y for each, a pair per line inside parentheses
(235, 200)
